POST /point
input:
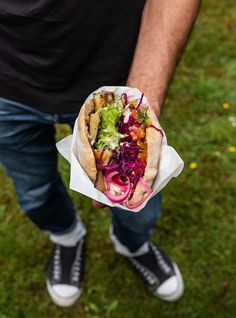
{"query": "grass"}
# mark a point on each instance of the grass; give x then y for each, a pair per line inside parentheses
(198, 223)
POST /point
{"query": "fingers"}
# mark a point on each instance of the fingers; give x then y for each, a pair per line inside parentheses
(98, 205)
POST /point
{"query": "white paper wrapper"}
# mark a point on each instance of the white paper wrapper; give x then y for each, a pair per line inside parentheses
(170, 162)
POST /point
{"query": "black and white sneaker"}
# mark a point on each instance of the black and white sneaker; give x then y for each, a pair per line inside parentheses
(160, 274)
(65, 274)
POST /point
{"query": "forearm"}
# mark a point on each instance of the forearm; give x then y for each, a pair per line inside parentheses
(165, 27)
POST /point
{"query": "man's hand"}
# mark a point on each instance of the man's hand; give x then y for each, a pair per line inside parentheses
(165, 27)
(98, 205)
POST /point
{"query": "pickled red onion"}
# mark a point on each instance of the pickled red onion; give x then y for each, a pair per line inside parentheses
(122, 186)
(117, 198)
(117, 180)
(109, 176)
(158, 129)
(125, 98)
(140, 101)
(140, 202)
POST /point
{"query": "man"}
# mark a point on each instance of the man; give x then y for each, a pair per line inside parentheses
(53, 54)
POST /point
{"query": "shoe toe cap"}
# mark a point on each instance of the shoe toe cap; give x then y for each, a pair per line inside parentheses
(65, 291)
(169, 287)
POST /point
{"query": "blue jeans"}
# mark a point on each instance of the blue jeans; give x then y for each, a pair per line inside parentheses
(29, 156)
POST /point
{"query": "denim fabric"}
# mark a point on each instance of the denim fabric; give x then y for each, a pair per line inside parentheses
(29, 156)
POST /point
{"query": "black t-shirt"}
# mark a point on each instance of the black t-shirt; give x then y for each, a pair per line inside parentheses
(53, 53)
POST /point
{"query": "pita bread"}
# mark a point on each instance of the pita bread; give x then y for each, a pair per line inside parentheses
(154, 141)
(88, 161)
(85, 151)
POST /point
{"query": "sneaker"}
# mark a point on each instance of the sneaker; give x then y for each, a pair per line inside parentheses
(65, 274)
(160, 274)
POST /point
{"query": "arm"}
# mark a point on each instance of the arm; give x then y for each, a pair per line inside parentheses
(164, 31)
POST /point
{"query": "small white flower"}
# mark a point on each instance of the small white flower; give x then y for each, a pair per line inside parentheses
(232, 120)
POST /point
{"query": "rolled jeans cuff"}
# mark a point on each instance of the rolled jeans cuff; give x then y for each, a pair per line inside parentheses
(70, 237)
(124, 250)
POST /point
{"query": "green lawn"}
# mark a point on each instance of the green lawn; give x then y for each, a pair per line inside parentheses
(198, 225)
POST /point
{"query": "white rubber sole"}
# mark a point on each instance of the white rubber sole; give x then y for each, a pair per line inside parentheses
(179, 291)
(62, 301)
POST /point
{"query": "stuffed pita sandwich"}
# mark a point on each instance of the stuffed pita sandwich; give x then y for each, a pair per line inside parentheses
(119, 146)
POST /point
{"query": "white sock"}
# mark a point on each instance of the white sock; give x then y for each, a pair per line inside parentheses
(123, 250)
(71, 238)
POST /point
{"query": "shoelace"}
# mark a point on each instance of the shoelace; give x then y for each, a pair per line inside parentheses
(148, 274)
(145, 272)
(162, 263)
(57, 264)
(76, 267)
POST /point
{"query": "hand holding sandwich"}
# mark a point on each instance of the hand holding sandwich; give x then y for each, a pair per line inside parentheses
(159, 48)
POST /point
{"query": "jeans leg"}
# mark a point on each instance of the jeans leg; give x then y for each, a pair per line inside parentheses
(133, 229)
(29, 156)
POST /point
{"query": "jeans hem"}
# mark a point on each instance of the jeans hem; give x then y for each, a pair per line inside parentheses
(124, 250)
(68, 230)
(72, 237)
